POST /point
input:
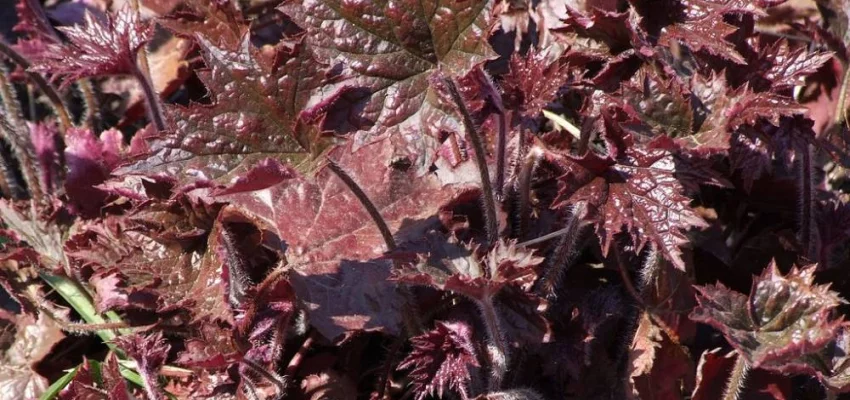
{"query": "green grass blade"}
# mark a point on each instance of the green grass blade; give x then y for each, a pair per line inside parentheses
(60, 384)
(80, 300)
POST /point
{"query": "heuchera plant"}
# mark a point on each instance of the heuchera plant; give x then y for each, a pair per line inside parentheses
(474, 199)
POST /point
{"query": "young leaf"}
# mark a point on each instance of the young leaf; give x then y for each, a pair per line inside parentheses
(43, 137)
(532, 82)
(441, 359)
(98, 47)
(783, 317)
(640, 194)
(97, 381)
(609, 28)
(89, 162)
(478, 278)
(697, 24)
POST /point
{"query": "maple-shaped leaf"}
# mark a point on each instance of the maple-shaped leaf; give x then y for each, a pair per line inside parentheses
(479, 278)
(111, 379)
(83, 385)
(754, 148)
(771, 65)
(331, 241)
(218, 22)
(31, 20)
(478, 92)
(831, 365)
(532, 83)
(787, 67)
(162, 250)
(256, 103)
(639, 194)
(750, 155)
(783, 317)
(98, 47)
(35, 32)
(441, 359)
(97, 381)
(34, 339)
(697, 24)
(607, 27)
(726, 110)
(391, 50)
(34, 226)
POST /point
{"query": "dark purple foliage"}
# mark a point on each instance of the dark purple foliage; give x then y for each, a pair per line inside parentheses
(306, 201)
(441, 359)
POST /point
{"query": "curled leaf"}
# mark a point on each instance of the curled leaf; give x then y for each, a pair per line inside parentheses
(783, 317)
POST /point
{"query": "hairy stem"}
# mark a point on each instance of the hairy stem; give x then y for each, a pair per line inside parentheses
(90, 104)
(514, 394)
(365, 202)
(627, 279)
(13, 123)
(150, 382)
(240, 282)
(806, 202)
(279, 338)
(501, 147)
(41, 18)
(154, 107)
(497, 349)
(80, 300)
(736, 379)
(83, 328)
(9, 183)
(565, 252)
(388, 367)
(278, 381)
(524, 188)
(481, 159)
(43, 85)
(841, 105)
(250, 389)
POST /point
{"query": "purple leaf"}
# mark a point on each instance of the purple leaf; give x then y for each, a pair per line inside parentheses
(392, 50)
(479, 278)
(640, 195)
(255, 106)
(33, 341)
(97, 47)
(783, 317)
(441, 359)
(331, 241)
